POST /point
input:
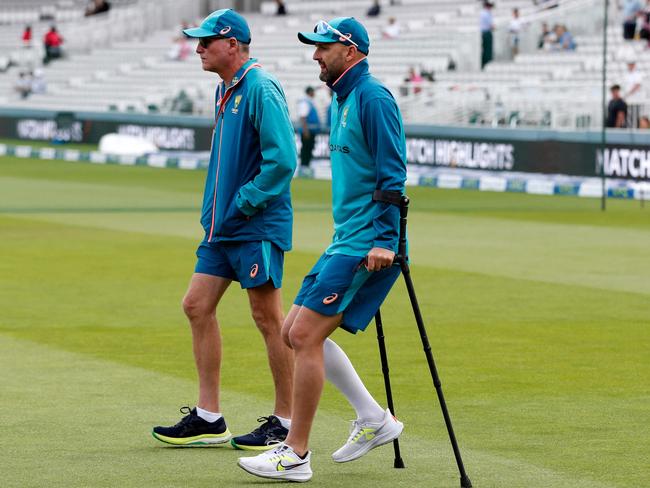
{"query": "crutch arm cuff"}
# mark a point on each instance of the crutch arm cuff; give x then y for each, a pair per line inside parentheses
(393, 197)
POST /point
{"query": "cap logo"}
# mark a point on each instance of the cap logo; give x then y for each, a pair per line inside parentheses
(345, 37)
(225, 30)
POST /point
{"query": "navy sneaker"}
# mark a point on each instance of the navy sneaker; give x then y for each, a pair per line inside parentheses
(267, 436)
(192, 430)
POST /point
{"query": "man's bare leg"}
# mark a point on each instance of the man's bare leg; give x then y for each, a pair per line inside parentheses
(266, 307)
(200, 304)
(307, 335)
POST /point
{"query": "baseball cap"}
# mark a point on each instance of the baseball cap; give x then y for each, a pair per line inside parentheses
(222, 23)
(346, 30)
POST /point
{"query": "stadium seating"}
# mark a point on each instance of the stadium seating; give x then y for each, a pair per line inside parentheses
(118, 62)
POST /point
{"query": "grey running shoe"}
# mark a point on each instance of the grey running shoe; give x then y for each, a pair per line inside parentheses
(365, 436)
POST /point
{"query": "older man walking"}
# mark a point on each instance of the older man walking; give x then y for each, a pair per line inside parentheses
(247, 218)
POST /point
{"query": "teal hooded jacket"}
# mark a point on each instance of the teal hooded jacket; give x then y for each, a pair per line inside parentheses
(368, 153)
(252, 161)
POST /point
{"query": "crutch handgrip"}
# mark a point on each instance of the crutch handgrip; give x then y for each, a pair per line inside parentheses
(400, 200)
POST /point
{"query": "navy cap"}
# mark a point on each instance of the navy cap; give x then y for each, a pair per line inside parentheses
(222, 23)
(350, 32)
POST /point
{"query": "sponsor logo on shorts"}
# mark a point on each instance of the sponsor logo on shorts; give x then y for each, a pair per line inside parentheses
(254, 269)
(330, 298)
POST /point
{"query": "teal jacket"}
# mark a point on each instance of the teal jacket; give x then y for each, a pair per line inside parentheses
(252, 161)
(368, 152)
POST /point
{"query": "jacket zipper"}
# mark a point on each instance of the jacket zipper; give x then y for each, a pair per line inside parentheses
(221, 113)
(216, 180)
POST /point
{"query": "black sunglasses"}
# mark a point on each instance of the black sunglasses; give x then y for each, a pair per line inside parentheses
(206, 41)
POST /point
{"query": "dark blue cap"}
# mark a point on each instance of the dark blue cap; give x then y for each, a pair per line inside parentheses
(222, 23)
(350, 32)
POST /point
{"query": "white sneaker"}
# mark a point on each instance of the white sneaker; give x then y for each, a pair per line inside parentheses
(368, 435)
(279, 463)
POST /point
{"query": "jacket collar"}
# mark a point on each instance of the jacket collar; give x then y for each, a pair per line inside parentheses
(349, 78)
(224, 92)
(241, 72)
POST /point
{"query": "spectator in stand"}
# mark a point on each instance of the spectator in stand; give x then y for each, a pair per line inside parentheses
(631, 10)
(180, 49)
(644, 122)
(392, 30)
(546, 38)
(374, 10)
(310, 126)
(514, 30)
(645, 26)
(97, 7)
(616, 109)
(414, 81)
(563, 39)
(486, 24)
(182, 103)
(23, 85)
(633, 80)
(52, 43)
(27, 36)
(282, 9)
(38, 84)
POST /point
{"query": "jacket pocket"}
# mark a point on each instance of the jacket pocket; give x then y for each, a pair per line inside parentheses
(235, 222)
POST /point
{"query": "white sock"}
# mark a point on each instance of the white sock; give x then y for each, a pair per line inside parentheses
(286, 423)
(207, 416)
(340, 372)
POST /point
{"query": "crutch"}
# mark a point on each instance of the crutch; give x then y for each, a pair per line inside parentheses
(401, 259)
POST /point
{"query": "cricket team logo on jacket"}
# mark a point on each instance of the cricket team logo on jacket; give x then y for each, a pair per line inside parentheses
(344, 117)
(235, 109)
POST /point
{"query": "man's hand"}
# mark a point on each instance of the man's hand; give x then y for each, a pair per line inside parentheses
(379, 258)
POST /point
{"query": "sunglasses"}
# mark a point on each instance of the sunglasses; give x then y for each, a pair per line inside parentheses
(322, 28)
(206, 41)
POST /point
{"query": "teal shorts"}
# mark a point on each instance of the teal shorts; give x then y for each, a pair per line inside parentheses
(252, 263)
(339, 283)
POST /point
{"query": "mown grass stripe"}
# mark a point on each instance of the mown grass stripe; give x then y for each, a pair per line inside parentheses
(112, 425)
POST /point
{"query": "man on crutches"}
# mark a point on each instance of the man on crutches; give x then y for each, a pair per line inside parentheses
(350, 281)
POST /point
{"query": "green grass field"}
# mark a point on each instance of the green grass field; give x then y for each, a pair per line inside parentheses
(538, 312)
